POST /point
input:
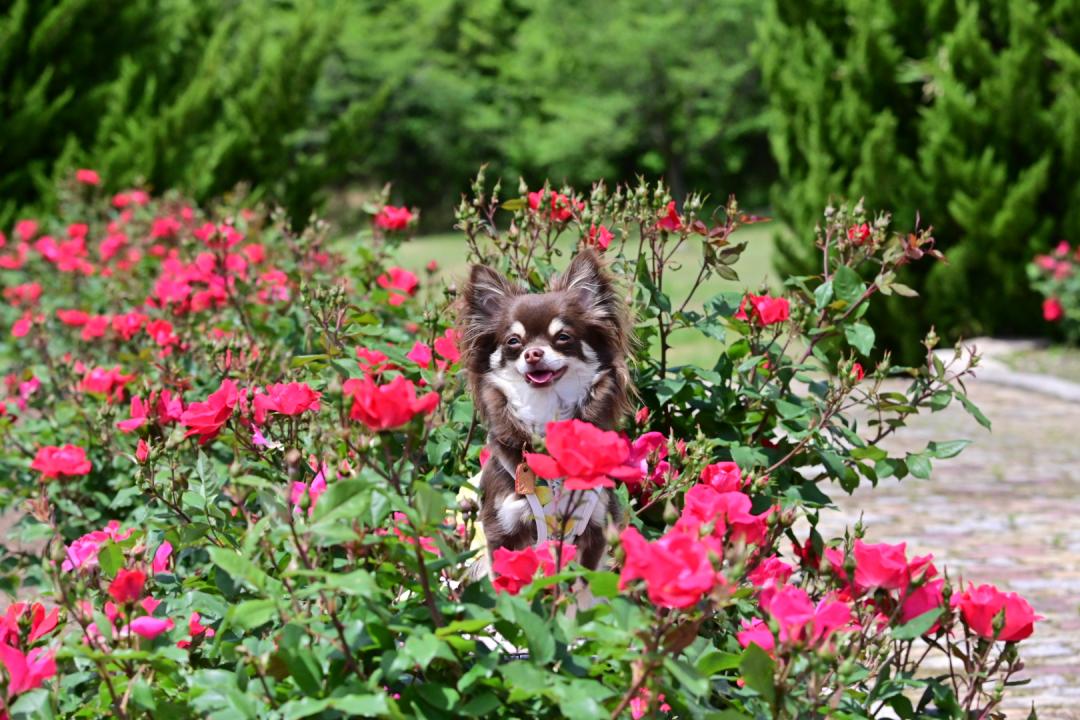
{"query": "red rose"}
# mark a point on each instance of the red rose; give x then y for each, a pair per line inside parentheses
(52, 461)
(400, 284)
(286, 399)
(880, 566)
(128, 585)
(728, 512)
(386, 407)
(798, 618)
(599, 236)
(677, 569)
(1053, 310)
(514, 569)
(26, 671)
(87, 177)
(922, 600)
(859, 234)
(206, 419)
(585, 455)
(722, 477)
(981, 606)
(420, 354)
(393, 218)
(446, 346)
(766, 310)
(671, 221)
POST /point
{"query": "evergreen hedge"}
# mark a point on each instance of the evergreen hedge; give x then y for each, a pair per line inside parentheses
(966, 113)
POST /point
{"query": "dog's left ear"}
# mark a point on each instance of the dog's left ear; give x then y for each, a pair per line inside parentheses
(588, 280)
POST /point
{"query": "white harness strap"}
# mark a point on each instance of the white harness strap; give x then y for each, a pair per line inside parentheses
(583, 509)
(539, 518)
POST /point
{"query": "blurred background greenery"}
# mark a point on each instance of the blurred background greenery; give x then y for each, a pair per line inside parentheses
(964, 113)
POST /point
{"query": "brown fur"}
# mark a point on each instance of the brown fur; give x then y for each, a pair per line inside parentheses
(586, 298)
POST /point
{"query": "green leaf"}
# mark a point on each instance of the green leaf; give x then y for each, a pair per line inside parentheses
(917, 626)
(757, 669)
(33, 704)
(946, 449)
(789, 410)
(357, 582)
(483, 704)
(344, 498)
(438, 696)
(861, 337)
(429, 502)
(538, 636)
(252, 613)
(239, 568)
(847, 285)
(580, 699)
(525, 678)
(715, 661)
(918, 464)
(303, 707)
(823, 295)
(603, 584)
(748, 457)
(361, 705)
(110, 558)
(304, 669)
(423, 647)
(687, 675)
(973, 410)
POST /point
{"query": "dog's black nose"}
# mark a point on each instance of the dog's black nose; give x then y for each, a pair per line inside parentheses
(534, 355)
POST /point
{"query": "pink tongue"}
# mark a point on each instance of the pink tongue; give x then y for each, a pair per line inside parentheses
(541, 376)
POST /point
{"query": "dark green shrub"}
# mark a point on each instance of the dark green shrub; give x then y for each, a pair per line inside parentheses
(964, 113)
(200, 95)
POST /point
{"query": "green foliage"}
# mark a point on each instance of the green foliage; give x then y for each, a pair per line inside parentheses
(965, 113)
(292, 97)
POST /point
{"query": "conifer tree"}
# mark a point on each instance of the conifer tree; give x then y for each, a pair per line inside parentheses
(965, 113)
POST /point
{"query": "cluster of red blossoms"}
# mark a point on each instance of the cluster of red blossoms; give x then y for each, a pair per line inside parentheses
(680, 568)
(1055, 269)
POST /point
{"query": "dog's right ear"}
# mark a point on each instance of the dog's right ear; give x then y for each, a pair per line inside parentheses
(486, 291)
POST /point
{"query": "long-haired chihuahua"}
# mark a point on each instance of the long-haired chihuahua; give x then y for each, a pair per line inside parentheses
(535, 358)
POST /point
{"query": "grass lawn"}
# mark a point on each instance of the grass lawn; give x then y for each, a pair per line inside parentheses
(754, 269)
(1059, 361)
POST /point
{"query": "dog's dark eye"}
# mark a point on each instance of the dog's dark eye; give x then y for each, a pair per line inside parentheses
(563, 338)
(513, 341)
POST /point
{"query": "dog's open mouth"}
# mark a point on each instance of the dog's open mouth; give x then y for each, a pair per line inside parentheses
(543, 378)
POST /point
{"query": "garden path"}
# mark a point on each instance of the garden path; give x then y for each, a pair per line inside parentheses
(1005, 511)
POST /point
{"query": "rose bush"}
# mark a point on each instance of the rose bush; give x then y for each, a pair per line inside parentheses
(237, 453)
(1055, 277)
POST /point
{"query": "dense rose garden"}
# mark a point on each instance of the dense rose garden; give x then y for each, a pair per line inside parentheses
(238, 453)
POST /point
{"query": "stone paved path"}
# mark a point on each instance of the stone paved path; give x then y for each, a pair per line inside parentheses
(1006, 511)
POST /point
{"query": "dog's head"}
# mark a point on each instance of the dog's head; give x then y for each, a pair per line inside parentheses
(558, 342)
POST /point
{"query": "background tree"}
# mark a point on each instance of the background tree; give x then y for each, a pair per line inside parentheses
(965, 113)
